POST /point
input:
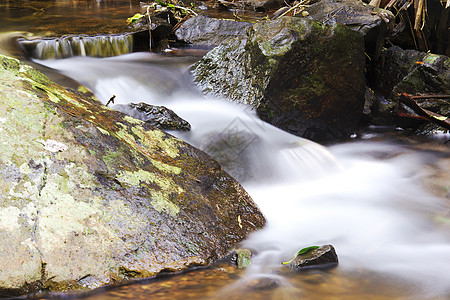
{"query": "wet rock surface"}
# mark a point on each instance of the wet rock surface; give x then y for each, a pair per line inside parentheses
(158, 116)
(374, 23)
(206, 31)
(301, 76)
(321, 257)
(94, 197)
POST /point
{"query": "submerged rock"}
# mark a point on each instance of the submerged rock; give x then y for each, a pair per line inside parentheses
(91, 196)
(314, 257)
(301, 76)
(158, 116)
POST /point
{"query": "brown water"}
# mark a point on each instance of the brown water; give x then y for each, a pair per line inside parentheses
(62, 17)
(266, 279)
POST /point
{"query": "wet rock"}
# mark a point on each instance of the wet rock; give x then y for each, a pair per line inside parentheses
(299, 75)
(316, 257)
(115, 199)
(412, 72)
(158, 116)
(262, 5)
(206, 31)
(374, 23)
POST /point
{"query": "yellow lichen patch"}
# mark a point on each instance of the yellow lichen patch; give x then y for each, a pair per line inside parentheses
(103, 130)
(165, 167)
(157, 138)
(133, 120)
(142, 176)
(160, 199)
(160, 203)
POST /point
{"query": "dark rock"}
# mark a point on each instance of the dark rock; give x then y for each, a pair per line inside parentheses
(93, 197)
(205, 31)
(301, 76)
(414, 73)
(158, 116)
(262, 5)
(374, 23)
(322, 257)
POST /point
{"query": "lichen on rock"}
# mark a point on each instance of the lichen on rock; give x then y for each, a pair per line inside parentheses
(120, 199)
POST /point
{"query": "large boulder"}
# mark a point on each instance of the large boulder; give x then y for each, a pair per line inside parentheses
(91, 196)
(300, 75)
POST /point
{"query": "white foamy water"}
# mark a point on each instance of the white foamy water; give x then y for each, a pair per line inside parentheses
(365, 198)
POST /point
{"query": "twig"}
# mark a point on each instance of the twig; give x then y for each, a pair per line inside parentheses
(185, 8)
(149, 30)
(300, 4)
(429, 115)
(430, 96)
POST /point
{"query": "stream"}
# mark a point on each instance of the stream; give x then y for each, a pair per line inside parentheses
(378, 198)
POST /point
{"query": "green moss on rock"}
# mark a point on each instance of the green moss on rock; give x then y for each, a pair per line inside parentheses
(119, 195)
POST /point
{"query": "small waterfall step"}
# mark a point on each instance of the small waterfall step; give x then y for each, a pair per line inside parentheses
(69, 46)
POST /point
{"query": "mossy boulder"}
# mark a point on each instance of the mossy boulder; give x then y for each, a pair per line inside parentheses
(299, 75)
(90, 196)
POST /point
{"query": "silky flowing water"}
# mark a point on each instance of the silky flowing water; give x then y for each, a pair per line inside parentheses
(381, 199)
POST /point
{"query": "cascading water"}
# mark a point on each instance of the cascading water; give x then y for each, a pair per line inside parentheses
(68, 46)
(363, 197)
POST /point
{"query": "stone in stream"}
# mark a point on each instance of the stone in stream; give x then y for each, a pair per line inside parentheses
(314, 257)
(92, 197)
(301, 76)
(158, 116)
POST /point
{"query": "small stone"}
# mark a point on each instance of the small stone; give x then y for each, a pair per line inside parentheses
(243, 258)
(323, 257)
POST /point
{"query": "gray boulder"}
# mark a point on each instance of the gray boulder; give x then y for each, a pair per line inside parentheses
(92, 197)
(206, 31)
(301, 76)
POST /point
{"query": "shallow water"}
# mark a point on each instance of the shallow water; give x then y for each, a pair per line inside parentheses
(366, 197)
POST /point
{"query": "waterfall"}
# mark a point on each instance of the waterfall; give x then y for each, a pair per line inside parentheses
(69, 46)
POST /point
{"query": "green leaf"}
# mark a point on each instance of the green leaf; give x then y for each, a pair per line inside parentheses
(161, 3)
(306, 250)
(440, 118)
(302, 251)
(134, 18)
